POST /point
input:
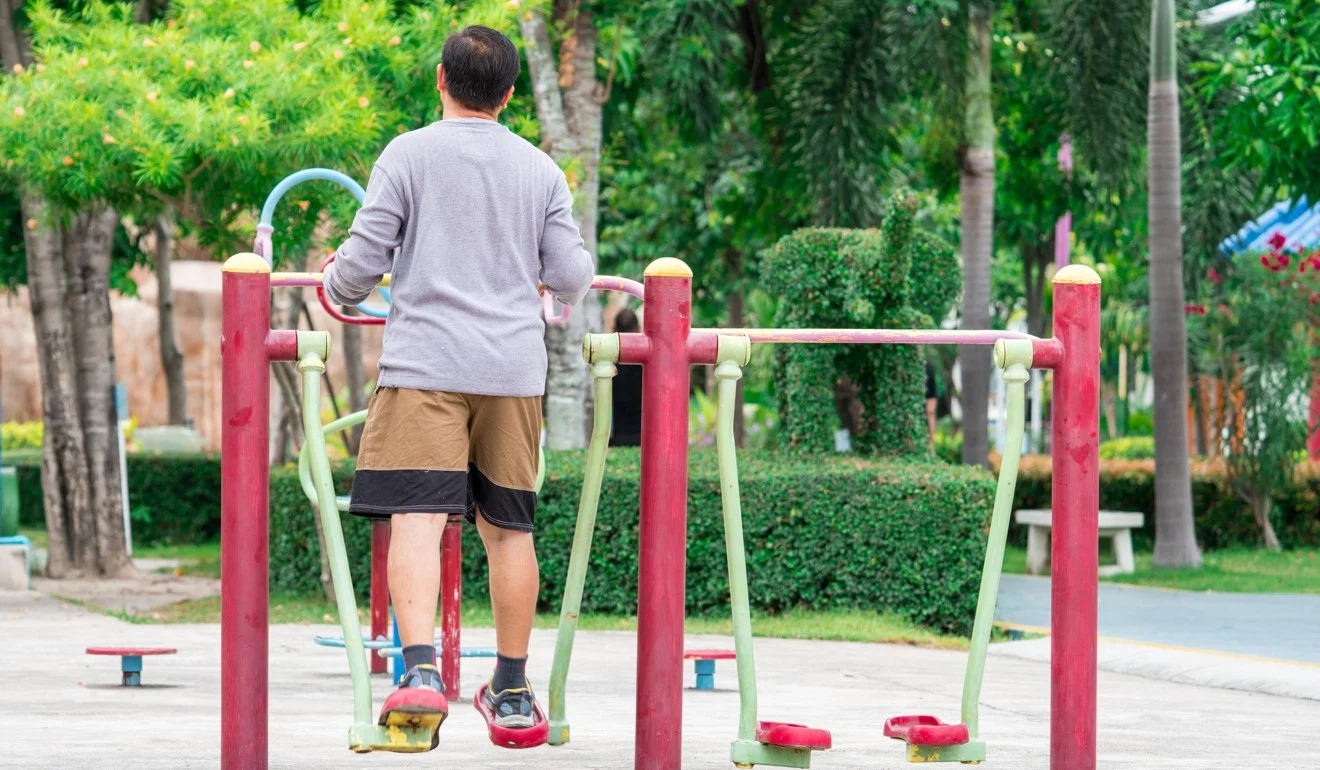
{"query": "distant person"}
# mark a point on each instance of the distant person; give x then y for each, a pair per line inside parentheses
(627, 391)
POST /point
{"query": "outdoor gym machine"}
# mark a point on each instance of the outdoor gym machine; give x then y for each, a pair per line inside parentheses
(667, 348)
(248, 347)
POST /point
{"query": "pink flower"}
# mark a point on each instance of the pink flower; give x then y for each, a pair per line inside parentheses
(1214, 275)
(1277, 240)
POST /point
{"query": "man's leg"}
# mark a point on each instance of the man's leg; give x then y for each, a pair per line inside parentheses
(514, 583)
(414, 573)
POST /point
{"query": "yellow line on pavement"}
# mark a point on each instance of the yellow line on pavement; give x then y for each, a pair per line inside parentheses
(1161, 646)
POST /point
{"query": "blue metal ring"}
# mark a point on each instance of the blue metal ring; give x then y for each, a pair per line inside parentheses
(327, 175)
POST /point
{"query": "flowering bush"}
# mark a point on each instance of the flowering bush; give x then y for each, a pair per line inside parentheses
(1260, 318)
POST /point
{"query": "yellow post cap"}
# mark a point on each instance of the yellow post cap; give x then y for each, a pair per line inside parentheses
(246, 263)
(1077, 274)
(669, 267)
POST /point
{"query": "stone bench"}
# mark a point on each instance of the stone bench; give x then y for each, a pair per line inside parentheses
(1114, 524)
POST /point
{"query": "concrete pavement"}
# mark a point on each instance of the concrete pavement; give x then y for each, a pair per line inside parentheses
(62, 709)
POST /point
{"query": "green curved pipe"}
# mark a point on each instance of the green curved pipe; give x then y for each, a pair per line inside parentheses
(323, 496)
(604, 372)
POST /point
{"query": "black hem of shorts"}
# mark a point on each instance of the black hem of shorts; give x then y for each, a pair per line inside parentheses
(379, 494)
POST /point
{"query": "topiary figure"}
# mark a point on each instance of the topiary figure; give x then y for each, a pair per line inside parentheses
(892, 278)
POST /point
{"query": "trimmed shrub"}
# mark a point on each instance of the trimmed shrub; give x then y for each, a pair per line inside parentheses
(892, 278)
(171, 498)
(20, 435)
(1223, 520)
(1130, 448)
(823, 533)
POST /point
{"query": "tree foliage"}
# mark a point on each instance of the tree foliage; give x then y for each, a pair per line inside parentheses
(204, 111)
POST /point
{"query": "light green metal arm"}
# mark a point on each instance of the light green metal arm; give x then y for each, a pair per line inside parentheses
(603, 370)
(727, 373)
(1014, 357)
(312, 365)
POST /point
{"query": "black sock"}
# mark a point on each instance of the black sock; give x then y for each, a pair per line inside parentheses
(510, 674)
(418, 655)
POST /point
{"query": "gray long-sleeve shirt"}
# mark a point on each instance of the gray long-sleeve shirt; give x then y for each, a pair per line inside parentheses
(478, 216)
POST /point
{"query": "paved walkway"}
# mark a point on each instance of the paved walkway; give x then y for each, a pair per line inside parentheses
(1278, 626)
(62, 709)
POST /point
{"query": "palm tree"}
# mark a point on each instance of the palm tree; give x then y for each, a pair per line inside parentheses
(976, 193)
(1175, 534)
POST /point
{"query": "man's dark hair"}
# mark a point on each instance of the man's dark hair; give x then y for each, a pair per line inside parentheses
(481, 66)
(625, 322)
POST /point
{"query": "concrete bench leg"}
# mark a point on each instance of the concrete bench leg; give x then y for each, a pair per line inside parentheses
(1123, 552)
(1038, 549)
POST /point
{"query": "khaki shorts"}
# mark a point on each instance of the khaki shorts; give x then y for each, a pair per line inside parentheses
(426, 451)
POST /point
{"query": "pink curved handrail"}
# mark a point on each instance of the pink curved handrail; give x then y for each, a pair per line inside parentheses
(357, 320)
(599, 283)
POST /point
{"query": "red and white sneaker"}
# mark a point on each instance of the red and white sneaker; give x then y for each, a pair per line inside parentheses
(418, 703)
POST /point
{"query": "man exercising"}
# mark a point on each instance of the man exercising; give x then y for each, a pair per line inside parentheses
(471, 221)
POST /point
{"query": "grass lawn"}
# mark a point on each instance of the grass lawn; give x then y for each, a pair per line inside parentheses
(203, 559)
(834, 625)
(1235, 570)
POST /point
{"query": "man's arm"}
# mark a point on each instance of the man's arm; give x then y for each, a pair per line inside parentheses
(566, 268)
(377, 231)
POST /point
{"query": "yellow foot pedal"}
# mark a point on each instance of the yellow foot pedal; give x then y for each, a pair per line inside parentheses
(406, 734)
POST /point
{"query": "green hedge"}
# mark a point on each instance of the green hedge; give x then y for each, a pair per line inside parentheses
(825, 532)
(1128, 448)
(172, 498)
(821, 532)
(1222, 519)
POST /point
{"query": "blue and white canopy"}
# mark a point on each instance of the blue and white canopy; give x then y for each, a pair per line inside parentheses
(1298, 222)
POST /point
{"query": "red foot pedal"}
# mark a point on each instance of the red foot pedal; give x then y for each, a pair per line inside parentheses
(793, 736)
(509, 737)
(925, 731)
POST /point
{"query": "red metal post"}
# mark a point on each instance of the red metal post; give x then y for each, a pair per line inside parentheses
(1076, 506)
(451, 603)
(244, 523)
(662, 558)
(1313, 420)
(380, 589)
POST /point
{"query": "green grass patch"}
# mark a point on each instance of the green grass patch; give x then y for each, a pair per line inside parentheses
(1235, 570)
(202, 559)
(35, 536)
(833, 625)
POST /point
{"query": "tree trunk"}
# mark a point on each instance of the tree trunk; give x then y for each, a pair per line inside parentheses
(88, 242)
(68, 278)
(1175, 528)
(66, 488)
(1261, 506)
(1036, 258)
(356, 377)
(171, 359)
(568, 108)
(739, 419)
(14, 45)
(977, 199)
(1107, 399)
(285, 419)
